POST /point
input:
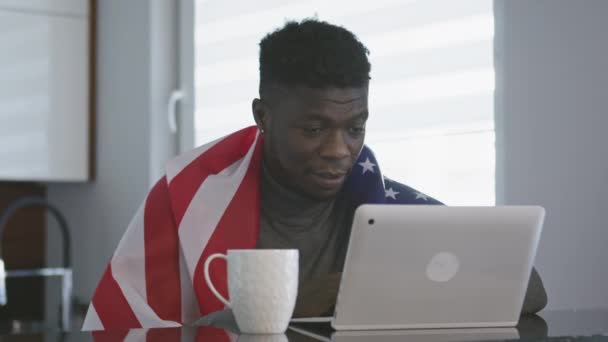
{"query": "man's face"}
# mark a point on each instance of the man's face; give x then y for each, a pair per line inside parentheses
(313, 136)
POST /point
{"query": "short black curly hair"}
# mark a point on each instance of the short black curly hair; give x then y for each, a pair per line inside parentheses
(313, 53)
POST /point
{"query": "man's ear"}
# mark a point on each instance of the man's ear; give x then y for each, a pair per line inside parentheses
(260, 114)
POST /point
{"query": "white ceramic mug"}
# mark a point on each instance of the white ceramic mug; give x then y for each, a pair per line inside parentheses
(262, 285)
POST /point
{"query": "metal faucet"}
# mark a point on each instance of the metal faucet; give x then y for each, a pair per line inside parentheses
(65, 273)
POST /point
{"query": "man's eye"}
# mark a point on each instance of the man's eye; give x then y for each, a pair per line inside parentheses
(357, 130)
(312, 130)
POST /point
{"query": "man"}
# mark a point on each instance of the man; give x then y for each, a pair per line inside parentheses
(293, 181)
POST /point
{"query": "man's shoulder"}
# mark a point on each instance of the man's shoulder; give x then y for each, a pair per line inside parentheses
(403, 194)
(225, 151)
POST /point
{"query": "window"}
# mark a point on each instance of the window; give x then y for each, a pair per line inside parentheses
(431, 96)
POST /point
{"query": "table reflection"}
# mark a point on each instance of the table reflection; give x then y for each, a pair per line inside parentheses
(567, 325)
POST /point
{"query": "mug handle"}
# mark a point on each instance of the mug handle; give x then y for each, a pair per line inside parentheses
(208, 278)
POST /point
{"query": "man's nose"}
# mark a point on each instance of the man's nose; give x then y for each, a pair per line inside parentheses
(335, 146)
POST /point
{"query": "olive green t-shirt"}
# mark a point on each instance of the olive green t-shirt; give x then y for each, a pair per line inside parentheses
(318, 229)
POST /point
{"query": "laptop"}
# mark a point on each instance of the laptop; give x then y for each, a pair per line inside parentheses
(418, 335)
(420, 267)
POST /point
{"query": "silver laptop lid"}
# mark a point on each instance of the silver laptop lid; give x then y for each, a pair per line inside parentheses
(437, 266)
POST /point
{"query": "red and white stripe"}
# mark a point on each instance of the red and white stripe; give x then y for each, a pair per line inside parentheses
(191, 334)
(208, 202)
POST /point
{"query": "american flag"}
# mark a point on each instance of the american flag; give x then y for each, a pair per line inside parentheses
(207, 203)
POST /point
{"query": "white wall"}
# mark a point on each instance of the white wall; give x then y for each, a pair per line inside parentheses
(552, 141)
(135, 73)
